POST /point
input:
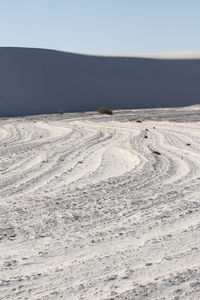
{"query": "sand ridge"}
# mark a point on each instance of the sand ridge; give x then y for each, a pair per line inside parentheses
(88, 211)
(34, 81)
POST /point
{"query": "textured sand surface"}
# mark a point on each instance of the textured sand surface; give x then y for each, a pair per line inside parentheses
(88, 211)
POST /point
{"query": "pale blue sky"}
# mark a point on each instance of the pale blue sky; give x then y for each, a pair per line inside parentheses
(101, 26)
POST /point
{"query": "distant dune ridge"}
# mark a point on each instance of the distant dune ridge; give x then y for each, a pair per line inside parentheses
(36, 81)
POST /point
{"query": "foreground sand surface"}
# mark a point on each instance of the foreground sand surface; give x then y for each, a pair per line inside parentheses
(89, 211)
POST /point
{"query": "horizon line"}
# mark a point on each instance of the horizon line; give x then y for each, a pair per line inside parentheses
(193, 54)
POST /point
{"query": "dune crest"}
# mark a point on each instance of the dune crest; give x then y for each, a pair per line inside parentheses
(36, 81)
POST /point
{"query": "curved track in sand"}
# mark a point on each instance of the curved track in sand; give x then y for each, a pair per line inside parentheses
(89, 211)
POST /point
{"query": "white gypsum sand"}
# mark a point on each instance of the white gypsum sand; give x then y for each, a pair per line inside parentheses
(88, 211)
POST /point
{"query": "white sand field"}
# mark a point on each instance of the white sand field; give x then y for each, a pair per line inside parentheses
(89, 211)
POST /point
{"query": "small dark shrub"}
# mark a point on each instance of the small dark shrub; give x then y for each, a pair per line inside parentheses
(156, 152)
(138, 121)
(188, 144)
(61, 112)
(104, 110)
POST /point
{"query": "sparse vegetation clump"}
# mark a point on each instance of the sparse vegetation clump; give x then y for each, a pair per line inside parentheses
(61, 112)
(104, 110)
(156, 152)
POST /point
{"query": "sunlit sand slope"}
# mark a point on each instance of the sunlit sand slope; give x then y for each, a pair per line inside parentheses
(89, 210)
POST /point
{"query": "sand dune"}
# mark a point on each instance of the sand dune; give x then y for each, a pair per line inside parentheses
(88, 211)
(43, 81)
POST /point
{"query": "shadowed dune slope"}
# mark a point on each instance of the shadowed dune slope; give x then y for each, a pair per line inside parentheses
(43, 81)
